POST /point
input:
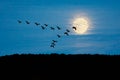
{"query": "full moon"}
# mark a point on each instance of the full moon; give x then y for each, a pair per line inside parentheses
(81, 25)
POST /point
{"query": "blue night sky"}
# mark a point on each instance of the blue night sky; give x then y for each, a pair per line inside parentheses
(103, 35)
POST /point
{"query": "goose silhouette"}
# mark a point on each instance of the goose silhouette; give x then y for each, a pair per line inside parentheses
(74, 28)
(27, 22)
(52, 46)
(52, 28)
(37, 23)
(58, 28)
(58, 36)
(67, 30)
(43, 27)
(66, 33)
(46, 25)
(19, 21)
(54, 41)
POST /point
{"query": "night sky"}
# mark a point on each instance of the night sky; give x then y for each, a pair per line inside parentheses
(102, 37)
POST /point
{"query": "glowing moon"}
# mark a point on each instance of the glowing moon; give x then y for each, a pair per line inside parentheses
(81, 25)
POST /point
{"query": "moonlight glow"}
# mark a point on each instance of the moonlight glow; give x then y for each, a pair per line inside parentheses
(81, 25)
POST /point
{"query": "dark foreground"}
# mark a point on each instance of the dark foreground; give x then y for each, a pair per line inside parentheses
(32, 67)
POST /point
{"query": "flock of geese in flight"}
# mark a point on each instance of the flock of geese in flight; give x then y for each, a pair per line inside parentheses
(44, 26)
